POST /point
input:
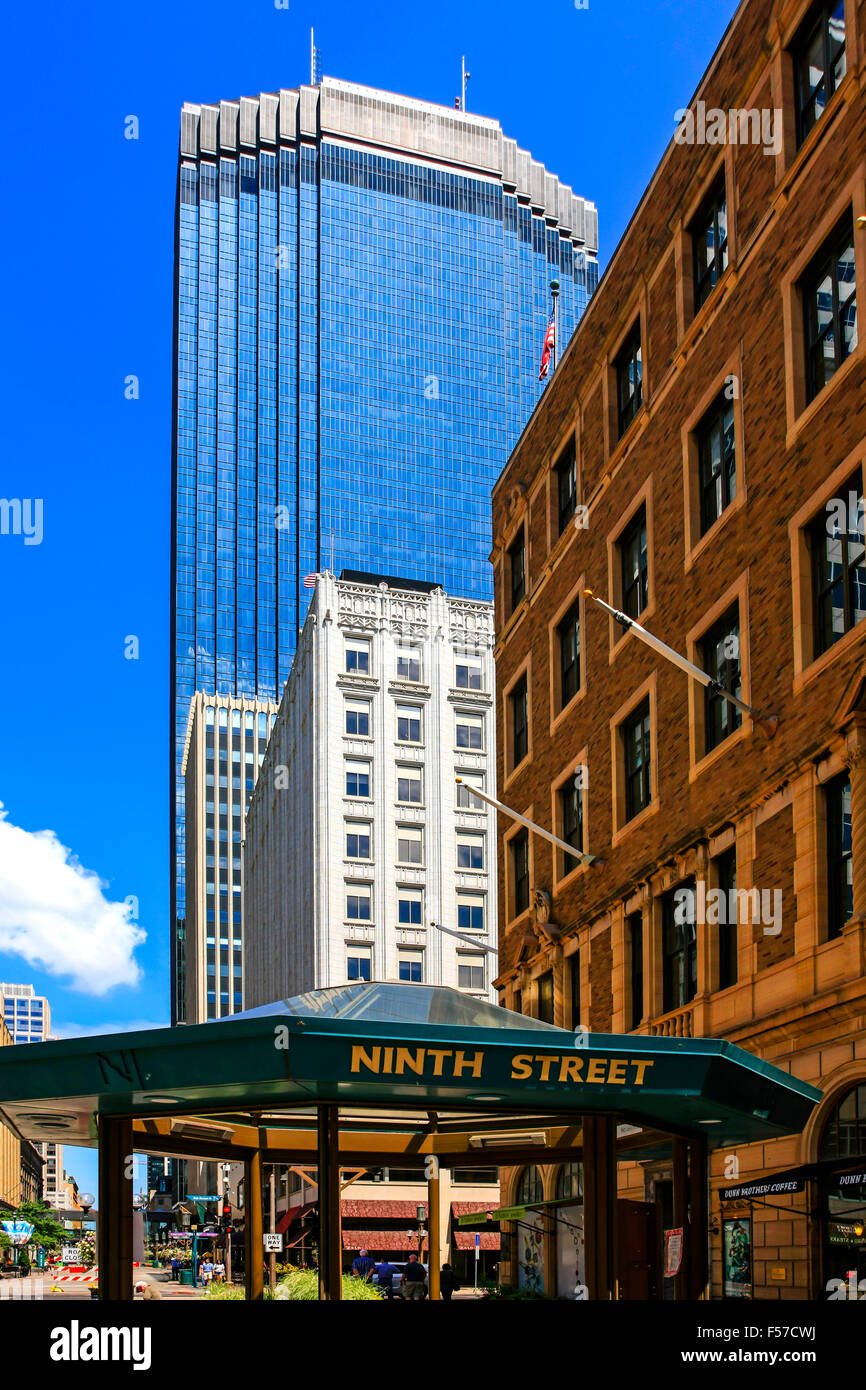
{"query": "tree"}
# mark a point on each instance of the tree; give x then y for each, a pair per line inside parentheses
(47, 1230)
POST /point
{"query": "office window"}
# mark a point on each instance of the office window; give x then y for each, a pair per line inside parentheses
(574, 988)
(468, 675)
(519, 851)
(634, 929)
(726, 869)
(717, 461)
(518, 701)
(829, 295)
(637, 754)
(838, 567)
(568, 637)
(679, 948)
(634, 565)
(820, 63)
(358, 840)
(359, 964)
(629, 381)
(408, 724)
(566, 486)
(357, 778)
(410, 966)
(470, 972)
(465, 798)
(709, 233)
(358, 906)
(358, 718)
(409, 785)
(470, 851)
(409, 665)
(840, 891)
(545, 997)
(571, 821)
(517, 569)
(357, 656)
(720, 658)
(469, 730)
(410, 907)
(409, 845)
(470, 912)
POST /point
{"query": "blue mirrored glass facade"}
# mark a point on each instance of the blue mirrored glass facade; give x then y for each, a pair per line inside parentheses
(358, 336)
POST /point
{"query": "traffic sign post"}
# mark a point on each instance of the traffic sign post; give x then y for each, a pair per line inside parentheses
(477, 1255)
(273, 1242)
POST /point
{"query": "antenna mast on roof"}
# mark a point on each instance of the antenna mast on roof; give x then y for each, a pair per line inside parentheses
(315, 61)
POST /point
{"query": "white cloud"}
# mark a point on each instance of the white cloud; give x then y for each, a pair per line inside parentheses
(53, 913)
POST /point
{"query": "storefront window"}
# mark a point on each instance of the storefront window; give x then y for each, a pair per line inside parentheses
(569, 1181)
(529, 1189)
(843, 1144)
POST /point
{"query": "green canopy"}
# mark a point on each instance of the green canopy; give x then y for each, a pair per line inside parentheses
(398, 1046)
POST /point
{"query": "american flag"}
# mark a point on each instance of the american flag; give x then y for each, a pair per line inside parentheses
(310, 581)
(549, 341)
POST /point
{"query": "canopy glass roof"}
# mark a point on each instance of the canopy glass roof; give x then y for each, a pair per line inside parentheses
(403, 1003)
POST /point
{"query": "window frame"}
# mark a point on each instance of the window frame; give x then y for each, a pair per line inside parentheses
(816, 19)
(629, 359)
(706, 219)
(838, 859)
(825, 263)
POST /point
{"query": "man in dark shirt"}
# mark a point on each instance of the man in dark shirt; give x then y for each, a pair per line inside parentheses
(414, 1276)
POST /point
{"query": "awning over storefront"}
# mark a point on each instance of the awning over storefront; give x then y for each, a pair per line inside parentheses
(380, 1240)
(465, 1240)
(849, 1171)
(296, 1213)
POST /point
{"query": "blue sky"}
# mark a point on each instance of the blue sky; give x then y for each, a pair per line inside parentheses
(87, 244)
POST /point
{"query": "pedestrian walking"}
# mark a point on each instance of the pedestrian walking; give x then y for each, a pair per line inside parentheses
(447, 1282)
(206, 1270)
(363, 1266)
(385, 1274)
(219, 1271)
(414, 1284)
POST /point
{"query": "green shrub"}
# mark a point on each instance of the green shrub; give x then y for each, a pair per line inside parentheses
(302, 1284)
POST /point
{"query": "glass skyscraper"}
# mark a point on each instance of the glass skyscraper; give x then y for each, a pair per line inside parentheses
(361, 294)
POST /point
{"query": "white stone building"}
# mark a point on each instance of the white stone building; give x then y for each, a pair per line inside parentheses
(358, 837)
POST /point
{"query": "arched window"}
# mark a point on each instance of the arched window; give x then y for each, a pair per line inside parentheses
(844, 1133)
(569, 1181)
(530, 1188)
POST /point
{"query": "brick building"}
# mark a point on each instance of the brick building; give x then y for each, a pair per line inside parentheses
(697, 461)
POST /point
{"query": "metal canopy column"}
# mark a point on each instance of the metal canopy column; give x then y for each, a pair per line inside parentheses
(115, 1209)
(599, 1168)
(681, 1213)
(330, 1234)
(698, 1218)
(433, 1247)
(253, 1243)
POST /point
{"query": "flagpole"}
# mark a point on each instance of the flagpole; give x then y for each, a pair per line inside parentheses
(768, 722)
(530, 824)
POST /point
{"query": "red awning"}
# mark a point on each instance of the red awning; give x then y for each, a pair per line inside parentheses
(465, 1240)
(380, 1209)
(293, 1214)
(379, 1240)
